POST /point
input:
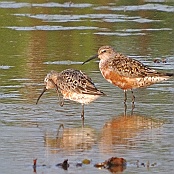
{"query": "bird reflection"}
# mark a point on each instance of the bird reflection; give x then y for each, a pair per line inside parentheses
(70, 139)
(117, 169)
(121, 129)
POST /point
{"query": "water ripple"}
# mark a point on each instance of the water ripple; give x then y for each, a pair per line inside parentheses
(147, 29)
(12, 4)
(5, 67)
(157, 7)
(92, 17)
(131, 32)
(118, 34)
(65, 62)
(48, 27)
(65, 5)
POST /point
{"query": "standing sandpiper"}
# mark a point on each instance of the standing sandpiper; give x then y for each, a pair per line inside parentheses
(126, 73)
(73, 85)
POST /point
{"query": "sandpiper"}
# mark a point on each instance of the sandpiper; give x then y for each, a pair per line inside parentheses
(125, 72)
(73, 85)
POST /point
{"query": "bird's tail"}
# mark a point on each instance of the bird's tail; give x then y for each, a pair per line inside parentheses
(165, 76)
(169, 74)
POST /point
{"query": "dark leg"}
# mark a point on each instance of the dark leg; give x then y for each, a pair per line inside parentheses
(82, 115)
(125, 96)
(125, 106)
(133, 97)
(125, 109)
(133, 100)
(133, 106)
(82, 122)
(61, 102)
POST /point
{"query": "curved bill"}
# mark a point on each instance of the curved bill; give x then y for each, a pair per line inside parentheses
(93, 57)
(41, 95)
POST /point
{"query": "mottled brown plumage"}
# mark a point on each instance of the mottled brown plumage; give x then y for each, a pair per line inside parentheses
(124, 72)
(73, 85)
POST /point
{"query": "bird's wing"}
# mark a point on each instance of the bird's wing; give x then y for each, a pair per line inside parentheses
(88, 87)
(77, 81)
(128, 67)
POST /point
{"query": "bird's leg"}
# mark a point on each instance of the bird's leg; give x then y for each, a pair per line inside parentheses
(61, 102)
(125, 108)
(125, 96)
(133, 97)
(82, 115)
(83, 123)
(133, 106)
(133, 102)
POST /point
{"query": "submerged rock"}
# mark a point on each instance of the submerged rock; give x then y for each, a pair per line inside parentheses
(64, 165)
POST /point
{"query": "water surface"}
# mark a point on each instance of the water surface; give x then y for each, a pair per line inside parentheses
(43, 35)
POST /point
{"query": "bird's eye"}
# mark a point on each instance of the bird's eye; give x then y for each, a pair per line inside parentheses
(46, 80)
(103, 51)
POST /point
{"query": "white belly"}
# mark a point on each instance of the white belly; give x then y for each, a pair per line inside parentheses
(81, 98)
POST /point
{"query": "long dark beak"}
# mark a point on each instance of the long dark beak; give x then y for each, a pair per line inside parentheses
(41, 95)
(91, 58)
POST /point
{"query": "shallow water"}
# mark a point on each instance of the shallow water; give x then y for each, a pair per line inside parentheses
(41, 36)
